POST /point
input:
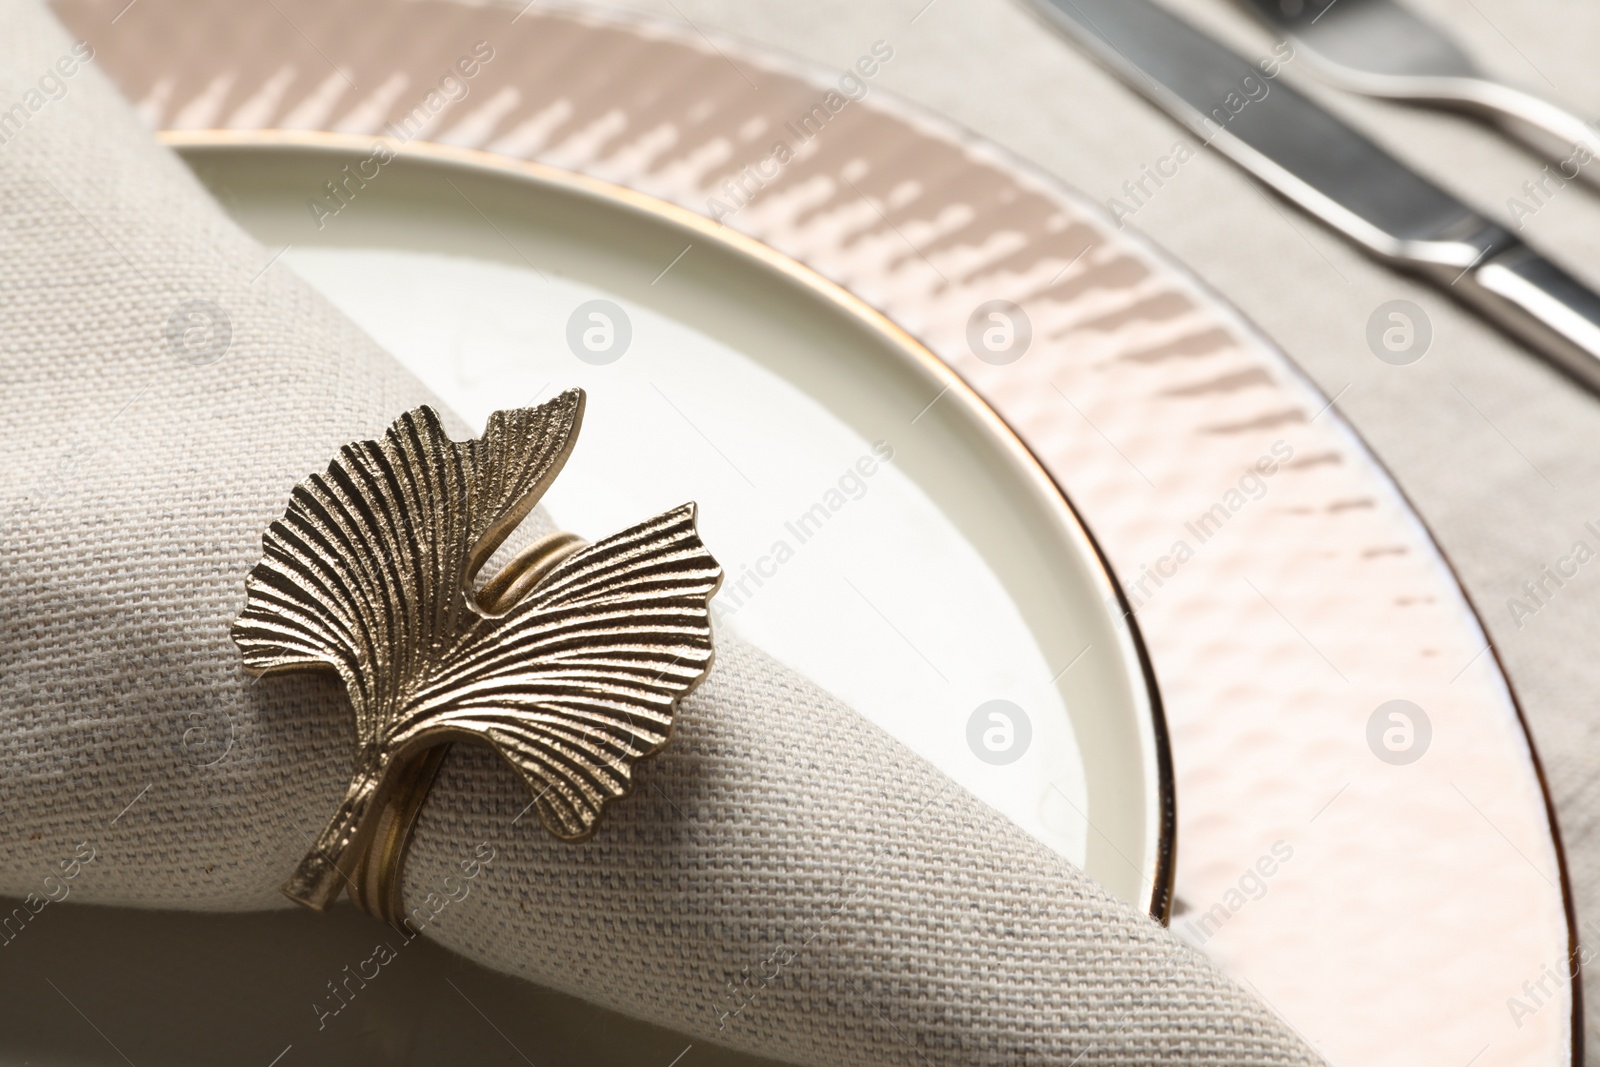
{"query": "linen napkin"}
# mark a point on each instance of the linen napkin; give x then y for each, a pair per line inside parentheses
(786, 878)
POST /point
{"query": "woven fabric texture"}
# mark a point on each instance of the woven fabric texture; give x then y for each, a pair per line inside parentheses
(786, 879)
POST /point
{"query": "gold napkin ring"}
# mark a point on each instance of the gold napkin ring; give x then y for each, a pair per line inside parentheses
(570, 661)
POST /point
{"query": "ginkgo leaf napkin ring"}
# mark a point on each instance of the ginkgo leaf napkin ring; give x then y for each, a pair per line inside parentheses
(569, 662)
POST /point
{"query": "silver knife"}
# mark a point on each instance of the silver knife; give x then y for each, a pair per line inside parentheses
(1340, 176)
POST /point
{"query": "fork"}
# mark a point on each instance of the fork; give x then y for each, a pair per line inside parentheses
(1381, 48)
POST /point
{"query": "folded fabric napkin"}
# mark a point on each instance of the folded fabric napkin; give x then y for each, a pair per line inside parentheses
(786, 878)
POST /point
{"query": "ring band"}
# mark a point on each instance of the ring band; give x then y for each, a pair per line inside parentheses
(569, 662)
(378, 882)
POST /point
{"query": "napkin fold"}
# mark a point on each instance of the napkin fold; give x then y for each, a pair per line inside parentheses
(786, 879)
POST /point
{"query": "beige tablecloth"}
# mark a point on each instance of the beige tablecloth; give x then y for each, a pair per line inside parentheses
(1498, 452)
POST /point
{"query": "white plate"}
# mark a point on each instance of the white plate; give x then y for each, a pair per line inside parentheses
(881, 529)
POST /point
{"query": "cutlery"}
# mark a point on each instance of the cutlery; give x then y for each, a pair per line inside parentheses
(1338, 175)
(1380, 48)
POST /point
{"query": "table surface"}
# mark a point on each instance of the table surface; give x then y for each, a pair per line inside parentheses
(1497, 452)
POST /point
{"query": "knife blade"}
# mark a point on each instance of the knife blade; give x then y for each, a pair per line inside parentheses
(1339, 175)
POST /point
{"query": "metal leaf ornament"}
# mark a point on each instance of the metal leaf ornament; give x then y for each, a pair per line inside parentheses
(570, 662)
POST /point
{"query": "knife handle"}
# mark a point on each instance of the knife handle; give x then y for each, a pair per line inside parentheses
(1543, 305)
